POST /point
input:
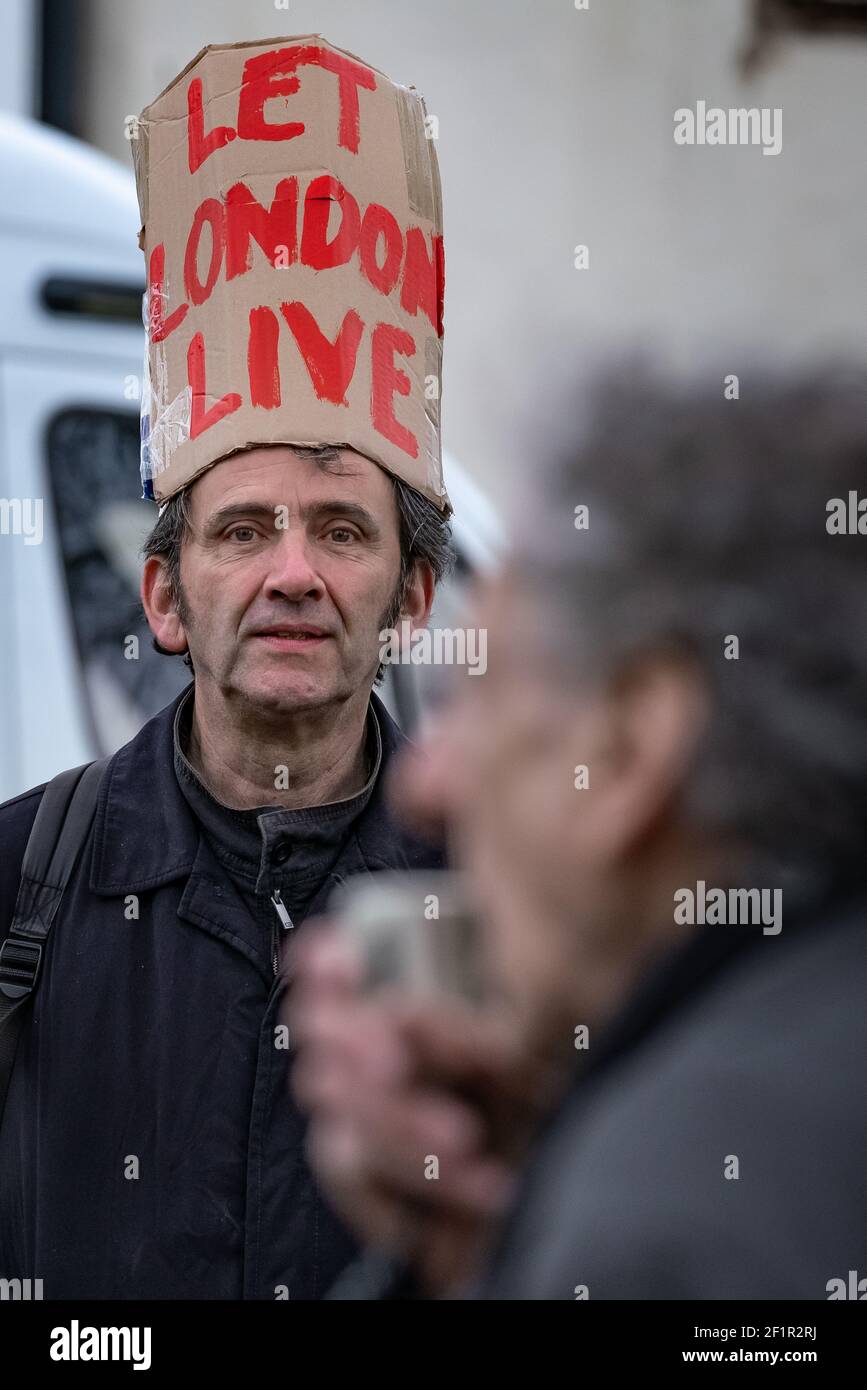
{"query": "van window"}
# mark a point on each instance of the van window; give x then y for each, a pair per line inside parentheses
(93, 464)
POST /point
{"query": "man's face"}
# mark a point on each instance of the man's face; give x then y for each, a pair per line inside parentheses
(561, 793)
(500, 773)
(287, 577)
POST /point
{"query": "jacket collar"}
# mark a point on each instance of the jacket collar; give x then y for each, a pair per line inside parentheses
(145, 834)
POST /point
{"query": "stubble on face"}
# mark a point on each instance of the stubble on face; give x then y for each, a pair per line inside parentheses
(227, 596)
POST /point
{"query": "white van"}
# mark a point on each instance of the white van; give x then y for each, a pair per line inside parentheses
(71, 518)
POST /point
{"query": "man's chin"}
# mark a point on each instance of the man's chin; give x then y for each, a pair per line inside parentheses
(286, 691)
(291, 697)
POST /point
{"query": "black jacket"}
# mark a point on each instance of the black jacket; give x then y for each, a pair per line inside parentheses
(715, 1148)
(150, 1147)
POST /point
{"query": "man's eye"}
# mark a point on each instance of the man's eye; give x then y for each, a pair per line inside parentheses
(341, 534)
(244, 534)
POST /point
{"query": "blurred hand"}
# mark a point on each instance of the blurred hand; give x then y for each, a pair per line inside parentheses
(419, 1110)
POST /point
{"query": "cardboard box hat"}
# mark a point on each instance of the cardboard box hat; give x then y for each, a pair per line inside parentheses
(292, 231)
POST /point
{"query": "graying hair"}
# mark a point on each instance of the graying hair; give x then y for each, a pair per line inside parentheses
(707, 519)
(425, 537)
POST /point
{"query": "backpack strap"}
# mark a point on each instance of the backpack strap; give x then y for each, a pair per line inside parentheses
(56, 840)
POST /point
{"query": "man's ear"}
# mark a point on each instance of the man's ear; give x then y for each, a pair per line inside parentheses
(160, 606)
(645, 732)
(419, 595)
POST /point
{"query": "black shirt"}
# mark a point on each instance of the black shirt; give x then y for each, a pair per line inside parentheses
(273, 855)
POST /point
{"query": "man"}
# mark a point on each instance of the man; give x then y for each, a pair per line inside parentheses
(149, 1148)
(659, 793)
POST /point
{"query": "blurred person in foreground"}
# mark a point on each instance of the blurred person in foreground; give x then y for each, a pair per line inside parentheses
(658, 1106)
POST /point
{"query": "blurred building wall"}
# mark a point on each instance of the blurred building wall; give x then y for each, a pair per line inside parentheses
(556, 128)
(18, 57)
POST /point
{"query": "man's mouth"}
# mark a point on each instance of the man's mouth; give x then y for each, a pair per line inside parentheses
(292, 637)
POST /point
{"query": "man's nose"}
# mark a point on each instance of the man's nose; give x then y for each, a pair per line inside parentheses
(293, 574)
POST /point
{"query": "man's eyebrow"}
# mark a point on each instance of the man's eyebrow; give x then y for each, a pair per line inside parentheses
(218, 519)
(350, 511)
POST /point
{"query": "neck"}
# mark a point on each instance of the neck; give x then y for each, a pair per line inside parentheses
(638, 925)
(308, 758)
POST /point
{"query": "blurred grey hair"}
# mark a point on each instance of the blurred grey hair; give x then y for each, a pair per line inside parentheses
(707, 519)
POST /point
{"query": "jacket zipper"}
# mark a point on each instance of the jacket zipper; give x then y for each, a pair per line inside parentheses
(286, 924)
